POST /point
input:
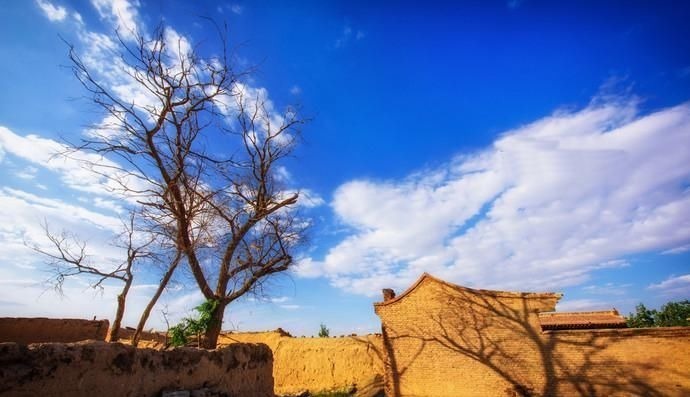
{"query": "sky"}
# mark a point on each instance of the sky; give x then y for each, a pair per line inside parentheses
(510, 145)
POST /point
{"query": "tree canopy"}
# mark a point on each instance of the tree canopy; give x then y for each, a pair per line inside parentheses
(669, 315)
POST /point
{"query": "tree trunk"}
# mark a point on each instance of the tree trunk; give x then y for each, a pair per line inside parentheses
(211, 336)
(147, 311)
(114, 333)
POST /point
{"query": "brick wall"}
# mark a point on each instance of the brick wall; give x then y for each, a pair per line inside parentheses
(113, 369)
(34, 330)
(445, 340)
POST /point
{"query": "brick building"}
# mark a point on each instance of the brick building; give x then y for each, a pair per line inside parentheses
(441, 339)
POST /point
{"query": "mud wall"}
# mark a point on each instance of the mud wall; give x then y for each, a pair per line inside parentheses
(147, 339)
(441, 340)
(35, 330)
(113, 369)
(321, 364)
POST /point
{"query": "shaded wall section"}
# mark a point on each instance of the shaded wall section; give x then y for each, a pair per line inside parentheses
(444, 340)
(321, 364)
(113, 369)
(35, 330)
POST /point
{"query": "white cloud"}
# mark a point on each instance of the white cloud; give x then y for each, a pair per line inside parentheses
(310, 199)
(677, 250)
(347, 35)
(123, 15)
(607, 289)
(234, 8)
(77, 170)
(678, 287)
(295, 90)
(52, 12)
(545, 205)
(578, 305)
(27, 173)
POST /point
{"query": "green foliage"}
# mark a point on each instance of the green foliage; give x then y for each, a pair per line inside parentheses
(671, 314)
(642, 318)
(180, 333)
(324, 332)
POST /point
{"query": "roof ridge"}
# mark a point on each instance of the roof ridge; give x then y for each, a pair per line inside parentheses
(612, 311)
(495, 293)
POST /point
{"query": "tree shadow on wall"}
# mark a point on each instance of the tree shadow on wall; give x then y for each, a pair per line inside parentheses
(374, 388)
(504, 337)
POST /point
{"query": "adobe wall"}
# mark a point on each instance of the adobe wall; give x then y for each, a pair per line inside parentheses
(442, 340)
(35, 330)
(321, 364)
(147, 339)
(113, 369)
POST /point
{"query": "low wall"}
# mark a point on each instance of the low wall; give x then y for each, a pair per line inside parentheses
(35, 330)
(113, 369)
(321, 364)
(646, 361)
(147, 339)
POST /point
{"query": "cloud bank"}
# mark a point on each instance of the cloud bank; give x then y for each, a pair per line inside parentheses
(543, 207)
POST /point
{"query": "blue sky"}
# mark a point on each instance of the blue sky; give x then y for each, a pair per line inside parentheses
(521, 145)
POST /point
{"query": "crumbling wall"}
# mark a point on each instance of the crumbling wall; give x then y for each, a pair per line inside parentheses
(113, 369)
(445, 340)
(321, 364)
(36, 330)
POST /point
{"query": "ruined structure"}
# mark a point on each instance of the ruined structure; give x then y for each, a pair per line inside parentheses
(93, 368)
(440, 339)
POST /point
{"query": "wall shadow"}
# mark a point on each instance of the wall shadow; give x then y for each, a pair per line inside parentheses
(477, 341)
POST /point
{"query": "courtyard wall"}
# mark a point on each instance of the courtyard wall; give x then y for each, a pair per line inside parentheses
(321, 364)
(27, 330)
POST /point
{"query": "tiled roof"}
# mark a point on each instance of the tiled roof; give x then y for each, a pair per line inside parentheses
(581, 320)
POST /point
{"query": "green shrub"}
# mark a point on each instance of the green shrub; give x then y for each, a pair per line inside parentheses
(323, 331)
(180, 333)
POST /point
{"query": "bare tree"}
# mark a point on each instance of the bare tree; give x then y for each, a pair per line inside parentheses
(199, 151)
(68, 258)
(167, 276)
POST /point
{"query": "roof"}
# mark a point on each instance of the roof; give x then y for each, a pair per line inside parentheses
(501, 294)
(581, 320)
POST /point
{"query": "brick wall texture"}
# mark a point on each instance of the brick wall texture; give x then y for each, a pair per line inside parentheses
(440, 339)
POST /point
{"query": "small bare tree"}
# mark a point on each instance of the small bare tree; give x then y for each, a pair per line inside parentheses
(199, 151)
(68, 258)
